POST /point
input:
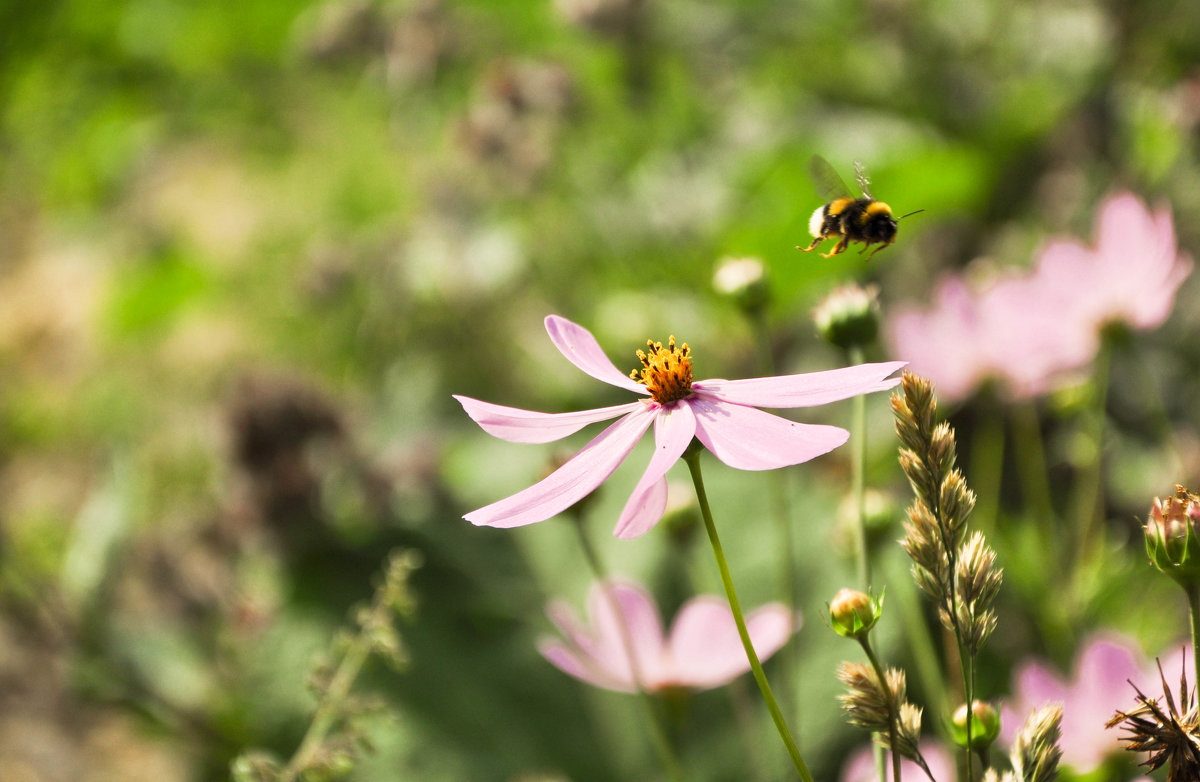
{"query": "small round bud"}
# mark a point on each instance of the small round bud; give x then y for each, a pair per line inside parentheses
(1173, 537)
(745, 281)
(849, 316)
(852, 614)
(985, 725)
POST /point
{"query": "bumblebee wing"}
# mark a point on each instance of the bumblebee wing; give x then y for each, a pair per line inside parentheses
(864, 182)
(828, 184)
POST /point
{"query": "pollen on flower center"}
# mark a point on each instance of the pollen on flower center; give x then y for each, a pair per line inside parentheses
(666, 372)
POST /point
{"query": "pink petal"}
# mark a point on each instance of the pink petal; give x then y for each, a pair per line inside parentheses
(529, 426)
(804, 390)
(673, 431)
(573, 481)
(749, 439)
(705, 648)
(563, 617)
(625, 616)
(581, 349)
(570, 662)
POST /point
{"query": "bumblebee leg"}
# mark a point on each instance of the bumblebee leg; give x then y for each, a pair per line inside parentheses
(877, 249)
(839, 248)
(812, 246)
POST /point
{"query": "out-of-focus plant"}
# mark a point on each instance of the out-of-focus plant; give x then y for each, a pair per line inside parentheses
(335, 736)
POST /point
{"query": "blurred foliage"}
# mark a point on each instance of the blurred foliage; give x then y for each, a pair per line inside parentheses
(249, 250)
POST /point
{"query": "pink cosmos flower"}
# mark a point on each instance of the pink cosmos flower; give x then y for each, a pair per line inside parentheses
(1031, 330)
(1129, 276)
(722, 414)
(702, 651)
(861, 766)
(1097, 689)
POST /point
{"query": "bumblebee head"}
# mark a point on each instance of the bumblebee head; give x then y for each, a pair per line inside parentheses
(878, 223)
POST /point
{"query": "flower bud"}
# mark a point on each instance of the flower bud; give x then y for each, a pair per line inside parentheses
(852, 614)
(745, 281)
(1173, 538)
(985, 725)
(849, 316)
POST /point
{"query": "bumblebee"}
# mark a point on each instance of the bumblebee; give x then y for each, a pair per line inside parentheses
(853, 219)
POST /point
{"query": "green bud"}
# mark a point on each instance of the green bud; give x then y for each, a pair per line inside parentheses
(852, 614)
(1172, 536)
(985, 725)
(745, 281)
(849, 316)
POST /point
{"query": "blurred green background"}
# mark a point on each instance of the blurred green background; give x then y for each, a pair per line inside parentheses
(249, 250)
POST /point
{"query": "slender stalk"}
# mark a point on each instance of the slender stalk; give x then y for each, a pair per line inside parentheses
(893, 717)
(1193, 595)
(692, 457)
(922, 648)
(330, 708)
(987, 465)
(1087, 495)
(1031, 461)
(778, 486)
(858, 468)
(659, 735)
(858, 489)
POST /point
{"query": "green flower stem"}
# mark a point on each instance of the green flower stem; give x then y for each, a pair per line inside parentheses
(987, 464)
(922, 647)
(893, 717)
(778, 488)
(1087, 497)
(1193, 595)
(332, 706)
(1031, 461)
(858, 489)
(692, 457)
(329, 711)
(858, 468)
(659, 735)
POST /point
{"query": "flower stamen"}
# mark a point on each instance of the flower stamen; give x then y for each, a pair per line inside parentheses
(666, 372)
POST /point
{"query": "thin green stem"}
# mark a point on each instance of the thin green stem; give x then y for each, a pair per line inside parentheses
(1031, 461)
(659, 736)
(893, 717)
(1193, 595)
(858, 490)
(330, 708)
(922, 648)
(987, 464)
(858, 468)
(1087, 495)
(692, 457)
(778, 486)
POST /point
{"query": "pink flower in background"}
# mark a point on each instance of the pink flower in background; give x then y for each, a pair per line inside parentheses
(1031, 330)
(1097, 688)
(861, 766)
(722, 414)
(1130, 275)
(702, 651)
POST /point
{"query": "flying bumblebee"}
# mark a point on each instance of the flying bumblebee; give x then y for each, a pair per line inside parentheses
(853, 219)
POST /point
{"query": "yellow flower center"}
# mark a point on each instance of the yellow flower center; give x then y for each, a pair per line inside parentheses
(666, 372)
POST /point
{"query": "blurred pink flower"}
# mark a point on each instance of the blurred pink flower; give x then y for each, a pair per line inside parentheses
(1030, 330)
(860, 767)
(702, 651)
(1129, 276)
(1097, 689)
(722, 414)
